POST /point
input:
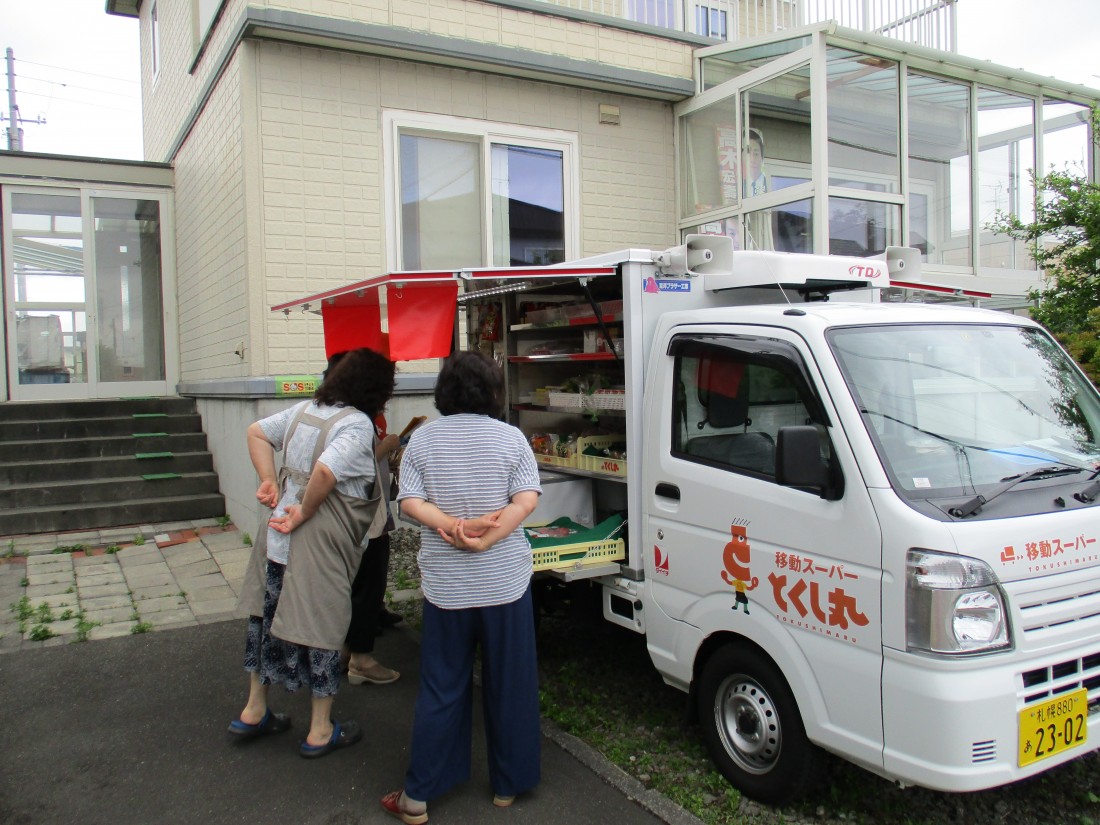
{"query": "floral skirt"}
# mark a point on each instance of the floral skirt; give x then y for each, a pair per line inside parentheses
(285, 663)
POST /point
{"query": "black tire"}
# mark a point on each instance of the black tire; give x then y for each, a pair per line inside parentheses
(753, 728)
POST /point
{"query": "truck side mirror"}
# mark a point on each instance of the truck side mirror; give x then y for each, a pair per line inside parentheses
(798, 461)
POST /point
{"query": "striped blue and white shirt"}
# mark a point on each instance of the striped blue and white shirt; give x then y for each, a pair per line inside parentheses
(467, 466)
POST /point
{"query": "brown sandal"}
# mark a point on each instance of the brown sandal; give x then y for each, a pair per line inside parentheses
(376, 674)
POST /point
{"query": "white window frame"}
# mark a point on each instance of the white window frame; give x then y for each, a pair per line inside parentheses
(396, 123)
(154, 37)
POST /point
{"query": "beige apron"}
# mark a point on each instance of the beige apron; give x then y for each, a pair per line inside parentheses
(315, 604)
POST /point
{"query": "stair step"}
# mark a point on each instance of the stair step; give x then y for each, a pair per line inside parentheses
(92, 516)
(96, 490)
(70, 448)
(76, 469)
(93, 408)
(12, 430)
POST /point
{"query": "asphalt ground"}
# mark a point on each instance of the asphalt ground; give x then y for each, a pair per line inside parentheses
(132, 729)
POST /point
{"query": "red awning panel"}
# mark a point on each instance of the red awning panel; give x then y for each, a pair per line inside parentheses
(419, 310)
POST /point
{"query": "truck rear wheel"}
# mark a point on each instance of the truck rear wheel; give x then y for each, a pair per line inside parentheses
(753, 728)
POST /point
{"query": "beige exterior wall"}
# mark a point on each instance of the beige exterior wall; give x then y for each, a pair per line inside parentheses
(211, 236)
(168, 99)
(320, 115)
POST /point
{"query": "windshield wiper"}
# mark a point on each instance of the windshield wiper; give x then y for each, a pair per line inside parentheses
(973, 505)
(1089, 493)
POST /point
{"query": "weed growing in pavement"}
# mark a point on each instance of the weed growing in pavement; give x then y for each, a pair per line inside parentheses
(141, 627)
(43, 614)
(402, 581)
(41, 632)
(111, 549)
(22, 608)
(247, 539)
(72, 589)
(70, 548)
(23, 582)
(139, 539)
(10, 550)
(66, 614)
(83, 627)
(224, 521)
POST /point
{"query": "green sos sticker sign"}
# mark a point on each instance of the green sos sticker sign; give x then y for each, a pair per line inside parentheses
(295, 384)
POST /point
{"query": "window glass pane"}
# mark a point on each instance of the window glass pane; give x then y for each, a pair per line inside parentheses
(722, 67)
(939, 170)
(1065, 137)
(528, 206)
(862, 228)
(864, 112)
(709, 158)
(786, 228)
(48, 248)
(51, 346)
(777, 132)
(130, 345)
(1006, 160)
(441, 205)
(654, 12)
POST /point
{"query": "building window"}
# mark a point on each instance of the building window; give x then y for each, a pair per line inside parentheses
(155, 38)
(1006, 161)
(864, 108)
(939, 169)
(480, 194)
(710, 22)
(204, 16)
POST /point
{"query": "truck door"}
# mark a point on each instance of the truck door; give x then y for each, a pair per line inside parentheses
(733, 557)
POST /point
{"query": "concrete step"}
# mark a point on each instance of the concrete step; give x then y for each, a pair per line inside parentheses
(100, 427)
(92, 408)
(101, 490)
(78, 469)
(74, 448)
(60, 518)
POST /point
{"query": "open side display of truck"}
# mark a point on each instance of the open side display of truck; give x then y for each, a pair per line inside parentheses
(854, 525)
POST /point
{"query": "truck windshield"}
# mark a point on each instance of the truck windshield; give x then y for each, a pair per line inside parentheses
(959, 410)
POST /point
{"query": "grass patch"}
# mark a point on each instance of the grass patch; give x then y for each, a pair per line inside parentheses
(141, 627)
(41, 632)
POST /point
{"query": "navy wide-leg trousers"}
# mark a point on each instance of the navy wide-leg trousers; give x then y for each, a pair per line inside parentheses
(441, 740)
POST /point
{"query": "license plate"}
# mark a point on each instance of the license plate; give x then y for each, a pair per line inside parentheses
(1054, 726)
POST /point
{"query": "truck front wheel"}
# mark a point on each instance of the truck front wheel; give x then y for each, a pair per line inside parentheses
(753, 728)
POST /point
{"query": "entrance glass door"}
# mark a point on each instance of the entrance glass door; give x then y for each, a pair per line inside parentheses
(84, 290)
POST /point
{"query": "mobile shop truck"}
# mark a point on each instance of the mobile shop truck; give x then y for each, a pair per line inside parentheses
(858, 526)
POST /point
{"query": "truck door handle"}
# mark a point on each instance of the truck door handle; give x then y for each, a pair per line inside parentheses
(666, 490)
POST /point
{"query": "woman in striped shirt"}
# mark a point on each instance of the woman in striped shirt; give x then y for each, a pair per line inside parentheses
(470, 480)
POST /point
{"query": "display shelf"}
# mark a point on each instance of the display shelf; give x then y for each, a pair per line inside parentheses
(588, 412)
(570, 356)
(567, 323)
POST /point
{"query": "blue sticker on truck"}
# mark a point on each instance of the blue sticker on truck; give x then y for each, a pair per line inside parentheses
(654, 285)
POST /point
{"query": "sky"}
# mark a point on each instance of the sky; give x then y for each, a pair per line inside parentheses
(78, 67)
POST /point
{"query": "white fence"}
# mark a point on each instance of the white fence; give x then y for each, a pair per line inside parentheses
(925, 22)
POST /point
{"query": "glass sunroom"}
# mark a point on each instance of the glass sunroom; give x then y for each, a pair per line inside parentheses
(834, 141)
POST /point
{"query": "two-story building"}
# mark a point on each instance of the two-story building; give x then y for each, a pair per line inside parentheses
(296, 146)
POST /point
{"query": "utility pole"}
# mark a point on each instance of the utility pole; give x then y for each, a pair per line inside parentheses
(15, 130)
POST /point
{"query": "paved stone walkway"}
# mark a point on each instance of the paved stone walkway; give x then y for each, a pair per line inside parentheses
(66, 587)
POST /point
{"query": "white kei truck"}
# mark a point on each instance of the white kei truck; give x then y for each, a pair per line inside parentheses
(853, 525)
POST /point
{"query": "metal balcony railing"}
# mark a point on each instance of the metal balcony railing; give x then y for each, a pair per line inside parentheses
(925, 22)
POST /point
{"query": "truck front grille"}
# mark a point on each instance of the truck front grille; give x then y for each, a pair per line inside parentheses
(1062, 677)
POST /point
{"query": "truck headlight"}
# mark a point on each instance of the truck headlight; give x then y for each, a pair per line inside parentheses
(954, 605)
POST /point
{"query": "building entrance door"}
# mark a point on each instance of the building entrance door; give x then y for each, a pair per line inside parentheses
(84, 290)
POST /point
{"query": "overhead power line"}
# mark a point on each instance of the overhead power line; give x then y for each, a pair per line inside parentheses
(78, 71)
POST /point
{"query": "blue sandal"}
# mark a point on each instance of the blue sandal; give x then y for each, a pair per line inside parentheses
(344, 734)
(271, 723)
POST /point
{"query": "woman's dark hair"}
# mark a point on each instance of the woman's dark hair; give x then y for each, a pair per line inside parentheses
(359, 378)
(470, 382)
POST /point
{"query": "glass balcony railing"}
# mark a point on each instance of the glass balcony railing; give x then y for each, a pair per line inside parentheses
(925, 22)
